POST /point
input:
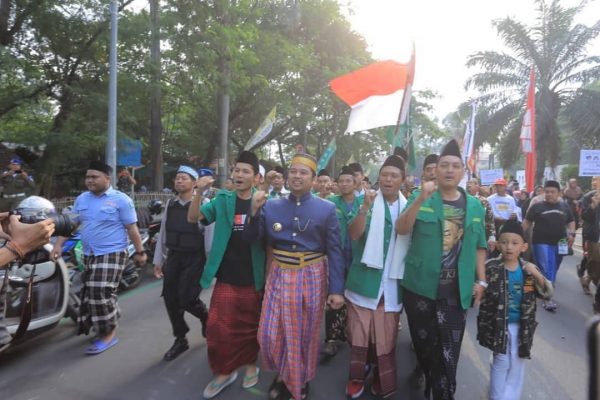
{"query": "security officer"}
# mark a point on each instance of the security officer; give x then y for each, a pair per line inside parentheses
(180, 248)
(16, 185)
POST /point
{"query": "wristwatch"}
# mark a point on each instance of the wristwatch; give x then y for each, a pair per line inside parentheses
(483, 284)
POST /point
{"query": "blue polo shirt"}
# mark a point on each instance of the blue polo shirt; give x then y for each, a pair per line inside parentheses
(103, 219)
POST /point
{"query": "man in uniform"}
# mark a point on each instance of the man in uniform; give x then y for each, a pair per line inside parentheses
(345, 202)
(302, 230)
(108, 220)
(180, 248)
(16, 185)
(444, 264)
(373, 283)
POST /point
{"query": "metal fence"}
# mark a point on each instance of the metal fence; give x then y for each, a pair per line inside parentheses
(140, 199)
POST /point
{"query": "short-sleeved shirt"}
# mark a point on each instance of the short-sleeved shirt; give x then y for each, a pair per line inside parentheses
(502, 206)
(454, 216)
(550, 221)
(236, 265)
(103, 219)
(515, 294)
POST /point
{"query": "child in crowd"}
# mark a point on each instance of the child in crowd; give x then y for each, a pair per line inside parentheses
(506, 321)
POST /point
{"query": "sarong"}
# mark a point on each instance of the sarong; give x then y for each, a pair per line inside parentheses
(548, 259)
(289, 323)
(99, 306)
(232, 327)
(436, 328)
(372, 335)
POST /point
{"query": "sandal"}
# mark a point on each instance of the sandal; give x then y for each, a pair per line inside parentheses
(250, 381)
(214, 388)
(275, 389)
(99, 346)
(305, 392)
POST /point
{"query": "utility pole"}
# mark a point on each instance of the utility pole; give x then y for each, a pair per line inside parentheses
(155, 109)
(224, 98)
(111, 143)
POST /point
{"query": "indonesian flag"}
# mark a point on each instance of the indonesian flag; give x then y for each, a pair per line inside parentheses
(528, 134)
(379, 94)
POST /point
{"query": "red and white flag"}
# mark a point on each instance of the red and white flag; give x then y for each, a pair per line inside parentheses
(528, 133)
(379, 94)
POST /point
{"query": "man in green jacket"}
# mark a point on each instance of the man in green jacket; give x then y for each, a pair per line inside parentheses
(444, 266)
(239, 266)
(345, 203)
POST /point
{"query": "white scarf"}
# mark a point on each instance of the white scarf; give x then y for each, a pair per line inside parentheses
(373, 254)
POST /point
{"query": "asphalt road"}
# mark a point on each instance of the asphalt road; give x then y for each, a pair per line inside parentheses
(53, 365)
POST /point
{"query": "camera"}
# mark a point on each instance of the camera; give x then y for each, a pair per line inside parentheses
(35, 209)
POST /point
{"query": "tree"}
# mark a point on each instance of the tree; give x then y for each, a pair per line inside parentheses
(556, 47)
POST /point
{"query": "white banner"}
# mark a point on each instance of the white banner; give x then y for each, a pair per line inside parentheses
(489, 176)
(263, 131)
(521, 179)
(589, 163)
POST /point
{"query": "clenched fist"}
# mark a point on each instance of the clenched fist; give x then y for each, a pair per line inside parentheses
(259, 198)
(369, 198)
(203, 183)
(427, 190)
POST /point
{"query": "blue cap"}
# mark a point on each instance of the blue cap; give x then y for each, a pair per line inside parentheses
(188, 170)
(205, 172)
(16, 160)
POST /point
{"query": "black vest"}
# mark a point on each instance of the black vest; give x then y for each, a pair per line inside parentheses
(181, 235)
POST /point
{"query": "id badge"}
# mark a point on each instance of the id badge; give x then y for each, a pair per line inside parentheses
(563, 247)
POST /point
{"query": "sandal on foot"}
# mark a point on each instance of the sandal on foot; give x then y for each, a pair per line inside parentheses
(99, 346)
(215, 388)
(250, 380)
(277, 389)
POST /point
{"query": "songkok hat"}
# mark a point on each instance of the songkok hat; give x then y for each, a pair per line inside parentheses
(553, 184)
(323, 172)
(306, 160)
(451, 149)
(188, 170)
(248, 157)
(356, 167)
(346, 170)
(393, 161)
(205, 172)
(430, 159)
(100, 166)
(512, 226)
(401, 152)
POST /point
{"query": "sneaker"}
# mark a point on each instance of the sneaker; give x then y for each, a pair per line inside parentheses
(354, 389)
(550, 306)
(180, 345)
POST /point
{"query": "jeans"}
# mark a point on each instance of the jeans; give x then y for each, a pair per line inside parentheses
(508, 370)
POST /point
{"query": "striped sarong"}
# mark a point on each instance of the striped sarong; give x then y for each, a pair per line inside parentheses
(232, 327)
(289, 325)
(99, 306)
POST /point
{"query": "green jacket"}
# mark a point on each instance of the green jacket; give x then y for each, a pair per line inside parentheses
(342, 216)
(423, 261)
(221, 210)
(361, 279)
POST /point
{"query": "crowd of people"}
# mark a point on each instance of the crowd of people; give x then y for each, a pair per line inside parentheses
(286, 247)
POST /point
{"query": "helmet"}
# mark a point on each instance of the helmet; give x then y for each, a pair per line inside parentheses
(155, 206)
(36, 205)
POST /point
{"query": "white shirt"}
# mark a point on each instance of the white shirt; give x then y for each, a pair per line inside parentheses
(503, 206)
(388, 287)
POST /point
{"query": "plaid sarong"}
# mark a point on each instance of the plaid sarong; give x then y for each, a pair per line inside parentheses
(99, 307)
(289, 325)
(232, 326)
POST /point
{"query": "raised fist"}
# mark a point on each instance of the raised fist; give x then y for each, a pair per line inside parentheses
(259, 198)
(427, 190)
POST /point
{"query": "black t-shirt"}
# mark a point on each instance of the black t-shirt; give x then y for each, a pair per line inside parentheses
(550, 222)
(454, 217)
(236, 266)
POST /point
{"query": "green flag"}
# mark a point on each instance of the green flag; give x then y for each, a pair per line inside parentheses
(405, 139)
(329, 151)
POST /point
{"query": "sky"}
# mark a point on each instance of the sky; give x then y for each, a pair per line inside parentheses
(445, 34)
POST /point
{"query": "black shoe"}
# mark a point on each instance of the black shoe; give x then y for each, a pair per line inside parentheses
(178, 347)
(416, 380)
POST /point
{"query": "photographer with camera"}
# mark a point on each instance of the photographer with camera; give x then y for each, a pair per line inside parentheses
(16, 185)
(107, 218)
(19, 239)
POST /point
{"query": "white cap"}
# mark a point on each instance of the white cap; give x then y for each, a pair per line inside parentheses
(261, 170)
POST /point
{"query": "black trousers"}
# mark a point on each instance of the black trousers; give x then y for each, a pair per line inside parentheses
(181, 288)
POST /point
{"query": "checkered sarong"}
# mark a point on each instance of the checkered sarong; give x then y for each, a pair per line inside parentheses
(288, 333)
(99, 307)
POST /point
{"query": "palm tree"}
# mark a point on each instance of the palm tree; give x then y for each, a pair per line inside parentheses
(556, 47)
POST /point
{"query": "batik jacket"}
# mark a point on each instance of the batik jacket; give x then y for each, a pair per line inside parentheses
(492, 321)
